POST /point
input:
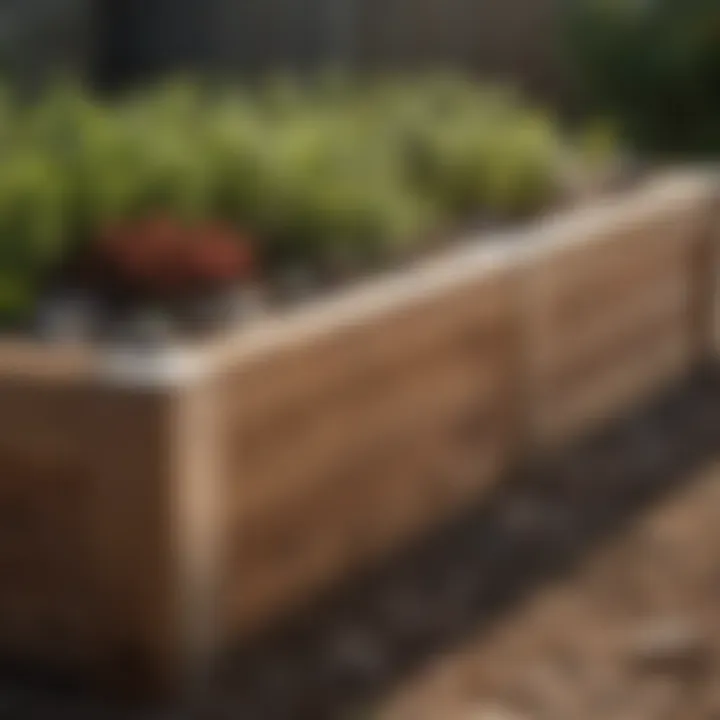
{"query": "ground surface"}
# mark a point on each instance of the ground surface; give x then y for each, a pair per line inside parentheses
(589, 589)
(634, 635)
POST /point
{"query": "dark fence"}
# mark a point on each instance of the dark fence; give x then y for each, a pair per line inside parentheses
(120, 40)
(42, 36)
(518, 40)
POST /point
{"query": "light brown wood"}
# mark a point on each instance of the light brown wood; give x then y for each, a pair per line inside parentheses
(157, 507)
(614, 320)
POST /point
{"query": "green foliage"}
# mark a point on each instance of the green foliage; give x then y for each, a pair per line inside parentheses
(324, 181)
(473, 149)
(597, 143)
(310, 171)
(32, 228)
(372, 167)
(655, 64)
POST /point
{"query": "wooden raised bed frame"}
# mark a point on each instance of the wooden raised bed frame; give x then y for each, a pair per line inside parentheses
(157, 508)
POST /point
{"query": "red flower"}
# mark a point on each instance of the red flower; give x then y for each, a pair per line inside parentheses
(161, 256)
(219, 255)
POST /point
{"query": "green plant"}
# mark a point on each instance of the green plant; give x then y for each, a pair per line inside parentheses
(482, 152)
(654, 65)
(313, 171)
(32, 230)
(325, 182)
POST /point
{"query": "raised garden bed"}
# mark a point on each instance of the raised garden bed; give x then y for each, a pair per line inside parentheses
(162, 503)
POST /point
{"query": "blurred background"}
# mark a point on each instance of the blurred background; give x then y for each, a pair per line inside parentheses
(117, 42)
(590, 591)
(654, 62)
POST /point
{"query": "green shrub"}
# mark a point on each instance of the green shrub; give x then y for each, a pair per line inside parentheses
(476, 151)
(309, 171)
(32, 230)
(323, 181)
(655, 65)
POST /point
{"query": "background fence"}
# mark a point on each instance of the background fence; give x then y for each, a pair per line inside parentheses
(131, 39)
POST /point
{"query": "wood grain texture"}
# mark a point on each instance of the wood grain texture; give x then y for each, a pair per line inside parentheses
(615, 318)
(89, 576)
(347, 446)
(150, 515)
